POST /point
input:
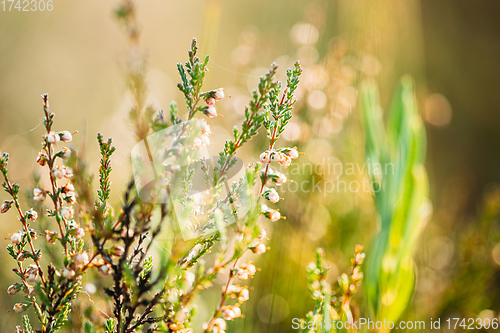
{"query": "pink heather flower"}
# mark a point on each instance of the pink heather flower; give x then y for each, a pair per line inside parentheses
(38, 195)
(293, 153)
(219, 94)
(6, 206)
(68, 273)
(16, 238)
(52, 137)
(65, 136)
(210, 101)
(67, 212)
(210, 111)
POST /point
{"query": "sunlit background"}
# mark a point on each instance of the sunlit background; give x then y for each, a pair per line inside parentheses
(76, 53)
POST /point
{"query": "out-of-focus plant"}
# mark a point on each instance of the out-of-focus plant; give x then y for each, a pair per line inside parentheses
(332, 304)
(395, 155)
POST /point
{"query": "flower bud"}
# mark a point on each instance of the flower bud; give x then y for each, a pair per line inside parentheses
(19, 308)
(38, 195)
(31, 214)
(67, 212)
(52, 137)
(105, 269)
(68, 273)
(81, 259)
(210, 101)
(13, 289)
(6, 206)
(65, 136)
(32, 278)
(210, 111)
(118, 251)
(259, 249)
(293, 153)
(219, 94)
(16, 238)
(41, 159)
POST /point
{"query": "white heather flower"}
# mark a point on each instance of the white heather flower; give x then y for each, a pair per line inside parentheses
(41, 159)
(65, 152)
(205, 128)
(105, 269)
(32, 278)
(243, 296)
(293, 153)
(219, 94)
(281, 179)
(51, 236)
(118, 251)
(274, 216)
(68, 273)
(259, 249)
(81, 259)
(65, 136)
(52, 137)
(67, 212)
(6, 206)
(189, 278)
(242, 274)
(58, 172)
(13, 289)
(68, 188)
(210, 111)
(31, 214)
(38, 194)
(265, 157)
(79, 233)
(228, 314)
(273, 196)
(21, 256)
(16, 238)
(219, 325)
(210, 101)
(68, 173)
(251, 269)
(19, 308)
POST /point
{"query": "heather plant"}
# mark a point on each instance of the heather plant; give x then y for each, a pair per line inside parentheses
(147, 290)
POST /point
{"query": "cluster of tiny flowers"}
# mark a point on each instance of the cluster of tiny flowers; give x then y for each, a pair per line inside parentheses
(210, 110)
(284, 156)
(202, 140)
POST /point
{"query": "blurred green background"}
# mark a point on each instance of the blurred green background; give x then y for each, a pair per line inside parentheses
(76, 53)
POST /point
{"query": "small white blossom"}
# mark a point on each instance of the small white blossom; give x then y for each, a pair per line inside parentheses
(189, 278)
(219, 94)
(274, 216)
(65, 136)
(105, 269)
(6, 206)
(81, 259)
(243, 296)
(41, 159)
(210, 101)
(38, 195)
(19, 308)
(79, 233)
(211, 111)
(52, 137)
(265, 157)
(13, 289)
(16, 238)
(273, 196)
(219, 326)
(281, 179)
(259, 249)
(118, 251)
(293, 153)
(68, 273)
(67, 212)
(65, 152)
(32, 278)
(31, 214)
